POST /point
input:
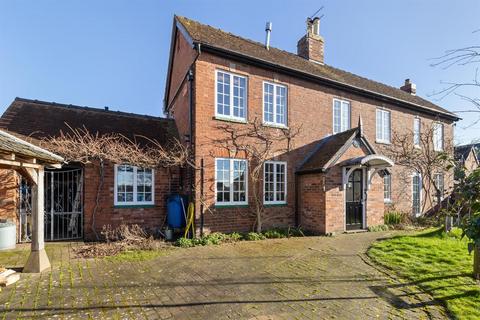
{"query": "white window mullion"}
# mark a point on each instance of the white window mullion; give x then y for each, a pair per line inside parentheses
(134, 184)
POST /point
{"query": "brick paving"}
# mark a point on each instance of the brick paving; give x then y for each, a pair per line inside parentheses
(302, 278)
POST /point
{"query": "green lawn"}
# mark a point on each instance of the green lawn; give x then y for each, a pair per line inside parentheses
(436, 262)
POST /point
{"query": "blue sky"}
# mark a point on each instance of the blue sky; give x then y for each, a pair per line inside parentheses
(115, 53)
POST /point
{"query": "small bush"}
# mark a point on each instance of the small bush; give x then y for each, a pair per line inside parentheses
(233, 237)
(274, 234)
(184, 243)
(252, 236)
(392, 218)
(382, 227)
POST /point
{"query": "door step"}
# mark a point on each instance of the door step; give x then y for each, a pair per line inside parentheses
(356, 231)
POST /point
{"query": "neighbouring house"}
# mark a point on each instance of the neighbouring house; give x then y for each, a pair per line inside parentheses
(129, 194)
(467, 156)
(335, 175)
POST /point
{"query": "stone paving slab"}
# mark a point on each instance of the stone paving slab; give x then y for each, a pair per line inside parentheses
(298, 278)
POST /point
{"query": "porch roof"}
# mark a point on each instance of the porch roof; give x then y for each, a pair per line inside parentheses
(16, 148)
(372, 160)
(329, 149)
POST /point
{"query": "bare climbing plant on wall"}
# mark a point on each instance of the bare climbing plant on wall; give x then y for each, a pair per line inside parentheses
(79, 145)
(257, 143)
(416, 153)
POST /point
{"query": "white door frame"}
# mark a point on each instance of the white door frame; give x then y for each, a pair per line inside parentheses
(345, 175)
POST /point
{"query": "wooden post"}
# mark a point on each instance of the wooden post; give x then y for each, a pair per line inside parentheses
(38, 259)
(476, 262)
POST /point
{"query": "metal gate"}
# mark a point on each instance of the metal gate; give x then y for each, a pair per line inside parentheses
(64, 204)
(25, 210)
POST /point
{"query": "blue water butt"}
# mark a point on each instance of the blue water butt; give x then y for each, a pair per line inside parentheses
(175, 216)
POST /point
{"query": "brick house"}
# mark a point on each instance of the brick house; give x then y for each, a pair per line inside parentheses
(467, 156)
(129, 195)
(333, 177)
(336, 177)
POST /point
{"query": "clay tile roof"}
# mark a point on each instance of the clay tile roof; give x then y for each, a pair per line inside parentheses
(39, 119)
(213, 37)
(325, 151)
(12, 144)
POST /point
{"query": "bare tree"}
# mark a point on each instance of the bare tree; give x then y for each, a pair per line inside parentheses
(422, 158)
(257, 143)
(462, 57)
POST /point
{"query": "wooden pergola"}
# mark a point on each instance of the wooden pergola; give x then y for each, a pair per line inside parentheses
(30, 161)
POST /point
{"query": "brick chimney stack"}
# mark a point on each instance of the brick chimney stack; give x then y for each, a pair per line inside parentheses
(409, 87)
(310, 46)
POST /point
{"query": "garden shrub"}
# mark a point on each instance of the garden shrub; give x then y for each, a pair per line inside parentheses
(219, 238)
(274, 234)
(252, 236)
(382, 227)
(184, 243)
(392, 218)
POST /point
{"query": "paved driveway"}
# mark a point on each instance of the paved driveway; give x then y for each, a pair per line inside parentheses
(302, 278)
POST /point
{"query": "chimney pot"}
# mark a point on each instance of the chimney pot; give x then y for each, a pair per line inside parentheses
(409, 87)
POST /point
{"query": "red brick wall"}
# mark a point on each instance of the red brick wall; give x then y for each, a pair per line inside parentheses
(152, 218)
(311, 204)
(309, 105)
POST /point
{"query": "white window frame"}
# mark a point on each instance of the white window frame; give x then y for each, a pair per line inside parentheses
(231, 116)
(436, 127)
(274, 122)
(417, 214)
(134, 202)
(436, 185)
(349, 115)
(417, 133)
(382, 134)
(231, 202)
(389, 199)
(284, 163)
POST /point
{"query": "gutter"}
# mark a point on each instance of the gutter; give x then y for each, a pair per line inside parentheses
(329, 82)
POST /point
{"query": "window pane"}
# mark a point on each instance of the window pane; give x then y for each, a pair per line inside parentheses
(239, 180)
(337, 111)
(269, 182)
(125, 183)
(281, 104)
(274, 182)
(386, 126)
(144, 185)
(345, 115)
(379, 121)
(223, 180)
(268, 102)
(387, 186)
(416, 194)
(280, 182)
(239, 96)
(223, 93)
(416, 132)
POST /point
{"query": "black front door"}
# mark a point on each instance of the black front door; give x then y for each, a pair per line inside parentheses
(354, 206)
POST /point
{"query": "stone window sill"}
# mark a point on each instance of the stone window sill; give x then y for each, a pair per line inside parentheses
(134, 206)
(227, 119)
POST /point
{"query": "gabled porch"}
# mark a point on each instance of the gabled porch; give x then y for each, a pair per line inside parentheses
(340, 184)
